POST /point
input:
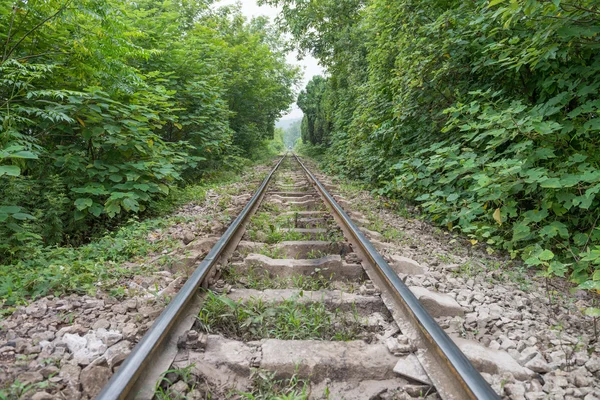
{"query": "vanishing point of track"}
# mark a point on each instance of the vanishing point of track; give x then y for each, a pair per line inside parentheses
(306, 204)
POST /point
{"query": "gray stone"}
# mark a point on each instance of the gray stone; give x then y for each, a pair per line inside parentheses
(150, 312)
(30, 377)
(536, 396)
(593, 364)
(172, 289)
(42, 396)
(36, 310)
(582, 381)
(130, 331)
(335, 360)
(516, 391)
(179, 387)
(116, 354)
(192, 340)
(538, 364)
(328, 266)
(131, 304)
(101, 323)
(188, 237)
(70, 374)
(93, 379)
(397, 348)
(492, 361)
(109, 338)
(230, 353)
(437, 304)
(406, 266)
(411, 368)
(301, 249)
(41, 336)
(49, 370)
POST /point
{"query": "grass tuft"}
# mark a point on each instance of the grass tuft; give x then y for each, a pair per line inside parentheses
(288, 320)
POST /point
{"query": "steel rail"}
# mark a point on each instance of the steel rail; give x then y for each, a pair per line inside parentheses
(121, 383)
(475, 387)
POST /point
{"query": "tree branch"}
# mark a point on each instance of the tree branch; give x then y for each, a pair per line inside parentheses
(34, 29)
(12, 20)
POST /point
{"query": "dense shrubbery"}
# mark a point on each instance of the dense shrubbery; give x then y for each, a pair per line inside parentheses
(484, 112)
(106, 105)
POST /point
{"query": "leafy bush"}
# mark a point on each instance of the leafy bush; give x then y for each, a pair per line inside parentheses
(484, 112)
(108, 106)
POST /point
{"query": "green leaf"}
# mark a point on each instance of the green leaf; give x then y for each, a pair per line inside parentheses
(96, 210)
(452, 197)
(570, 180)
(83, 203)
(592, 312)
(10, 209)
(10, 170)
(131, 205)
(546, 255)
(495, 2)
(551, 183)
(23, 216)
(590, 285)
(112, 209)
(24, 154)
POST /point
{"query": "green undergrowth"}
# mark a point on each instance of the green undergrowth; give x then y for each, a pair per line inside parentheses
(256, 319)
(100, 264)
(265, 386)
(254, 279)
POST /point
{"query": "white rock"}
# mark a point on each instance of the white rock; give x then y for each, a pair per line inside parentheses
(74, 342)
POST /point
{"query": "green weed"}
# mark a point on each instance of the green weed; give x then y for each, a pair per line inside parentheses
(266, 387)
(288, 320)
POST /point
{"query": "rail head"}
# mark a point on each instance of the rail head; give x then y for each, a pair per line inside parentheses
(124, 380)
(474, 385)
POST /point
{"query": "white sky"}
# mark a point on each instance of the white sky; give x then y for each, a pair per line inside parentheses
(310, 65)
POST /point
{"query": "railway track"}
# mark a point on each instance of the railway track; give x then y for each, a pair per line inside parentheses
(293, 295)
